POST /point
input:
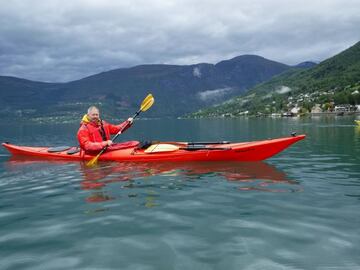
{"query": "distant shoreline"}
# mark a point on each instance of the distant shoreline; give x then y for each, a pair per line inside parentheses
(70, 120)
(335, 113)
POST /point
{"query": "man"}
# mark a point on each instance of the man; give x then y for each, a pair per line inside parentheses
(94, 133)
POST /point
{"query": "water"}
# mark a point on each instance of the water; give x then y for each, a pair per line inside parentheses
(298, 210)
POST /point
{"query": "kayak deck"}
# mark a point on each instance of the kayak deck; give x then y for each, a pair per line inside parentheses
(180, 151)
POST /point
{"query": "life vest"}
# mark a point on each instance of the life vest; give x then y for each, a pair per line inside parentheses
(98, 131)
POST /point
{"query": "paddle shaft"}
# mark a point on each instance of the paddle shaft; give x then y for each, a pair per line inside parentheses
(192, 144)
(195, 143)
(117, 134)
(196, 148)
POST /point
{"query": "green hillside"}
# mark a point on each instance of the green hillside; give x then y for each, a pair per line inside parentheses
(334, 81)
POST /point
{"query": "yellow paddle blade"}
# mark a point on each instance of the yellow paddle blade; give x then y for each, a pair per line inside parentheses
(161, 147)
(92, 162)
(147, 103)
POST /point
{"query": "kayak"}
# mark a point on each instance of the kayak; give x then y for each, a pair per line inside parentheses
(168, 151)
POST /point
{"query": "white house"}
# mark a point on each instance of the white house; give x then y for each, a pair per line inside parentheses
(295, 110)
(316, 109)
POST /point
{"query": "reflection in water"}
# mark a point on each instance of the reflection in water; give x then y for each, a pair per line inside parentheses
(357, 130)
(98, 196)
(258, 176)
(252, 176)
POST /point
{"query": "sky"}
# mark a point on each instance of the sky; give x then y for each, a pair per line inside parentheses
(61, 41)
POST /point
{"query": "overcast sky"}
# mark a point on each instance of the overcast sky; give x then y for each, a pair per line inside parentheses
(58, 41)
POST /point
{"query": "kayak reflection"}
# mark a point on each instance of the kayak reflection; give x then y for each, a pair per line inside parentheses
(250, 176)
(232, 171)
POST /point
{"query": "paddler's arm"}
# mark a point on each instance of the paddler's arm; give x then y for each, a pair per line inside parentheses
(123, 126)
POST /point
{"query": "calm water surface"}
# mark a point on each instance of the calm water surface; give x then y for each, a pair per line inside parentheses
(297, 210)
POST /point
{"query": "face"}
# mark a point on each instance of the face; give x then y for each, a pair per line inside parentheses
(94, 115)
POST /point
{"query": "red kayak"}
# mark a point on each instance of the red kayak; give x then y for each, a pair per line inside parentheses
(169, 151)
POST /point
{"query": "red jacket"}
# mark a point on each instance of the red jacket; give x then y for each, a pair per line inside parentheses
(89, 134)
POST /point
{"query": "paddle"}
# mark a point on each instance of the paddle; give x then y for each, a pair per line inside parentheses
(167, 147)
(145, 105)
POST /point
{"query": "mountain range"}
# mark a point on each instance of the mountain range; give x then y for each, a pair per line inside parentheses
(178, 89)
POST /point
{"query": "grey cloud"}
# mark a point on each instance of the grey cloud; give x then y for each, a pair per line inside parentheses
(61, 41)
(211, 95)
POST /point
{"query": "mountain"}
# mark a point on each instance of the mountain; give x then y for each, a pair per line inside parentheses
(306, 64)
(177, 89)
(334, 80)
(20, 95)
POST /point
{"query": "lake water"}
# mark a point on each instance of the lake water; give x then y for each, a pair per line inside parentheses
(297, 210)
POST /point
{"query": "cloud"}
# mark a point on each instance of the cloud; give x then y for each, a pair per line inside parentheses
(65, 40)
(283, 90)
(197, 72)
(213, 95)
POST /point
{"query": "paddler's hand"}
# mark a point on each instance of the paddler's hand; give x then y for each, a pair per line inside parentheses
(108, 143)
(130, 120)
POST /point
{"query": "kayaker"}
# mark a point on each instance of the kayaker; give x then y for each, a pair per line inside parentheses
(94, 133)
